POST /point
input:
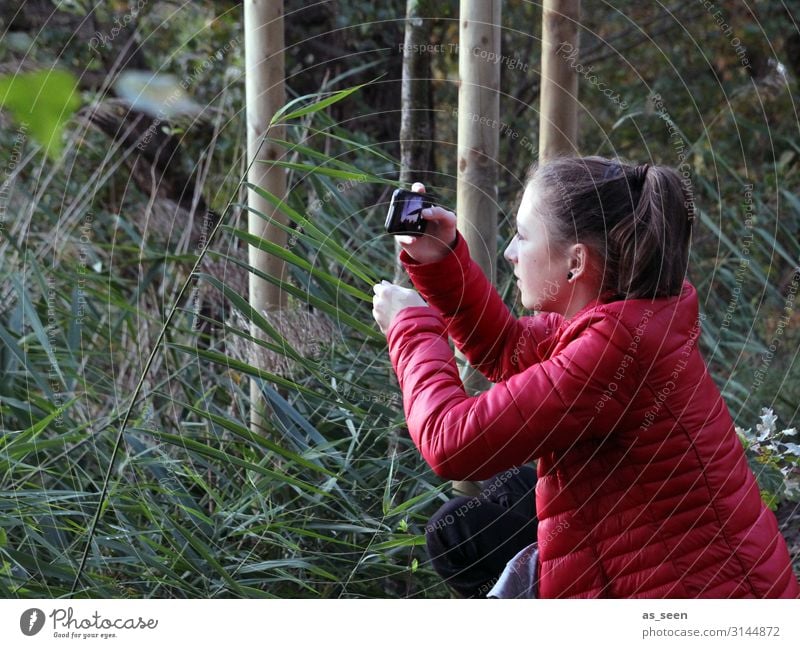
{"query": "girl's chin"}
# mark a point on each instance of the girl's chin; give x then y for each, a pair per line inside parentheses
(533, 304)
(540, 306)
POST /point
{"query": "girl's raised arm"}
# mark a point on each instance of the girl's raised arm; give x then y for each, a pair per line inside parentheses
(495, 342)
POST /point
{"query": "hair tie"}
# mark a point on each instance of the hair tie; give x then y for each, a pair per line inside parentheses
(611, 171)
(640, 173)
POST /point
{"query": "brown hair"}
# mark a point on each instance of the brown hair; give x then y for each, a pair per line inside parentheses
(637, 218)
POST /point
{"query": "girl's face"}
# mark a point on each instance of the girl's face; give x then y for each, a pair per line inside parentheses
(540, 268)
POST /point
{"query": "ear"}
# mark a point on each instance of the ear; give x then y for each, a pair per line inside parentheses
(578, 260)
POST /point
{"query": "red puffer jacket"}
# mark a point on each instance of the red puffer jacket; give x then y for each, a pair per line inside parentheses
(644, 489)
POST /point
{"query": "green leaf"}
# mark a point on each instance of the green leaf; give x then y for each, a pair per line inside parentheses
(339, 174)
(296, 147)
(330, 309)
(291, 257)
(38, 377)
(405, 541)
(225, 457)
(245, 433)
(282, 114)
(325, 240)
(42, 101)
(422, 497)
(38, 328)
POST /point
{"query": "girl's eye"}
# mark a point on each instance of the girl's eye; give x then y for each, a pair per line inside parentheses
(519, 236)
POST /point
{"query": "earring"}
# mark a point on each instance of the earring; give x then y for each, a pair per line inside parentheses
(569, 275)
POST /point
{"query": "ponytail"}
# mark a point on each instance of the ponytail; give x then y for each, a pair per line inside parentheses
(637, 219)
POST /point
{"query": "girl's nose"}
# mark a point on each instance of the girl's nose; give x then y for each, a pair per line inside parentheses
(511, 251)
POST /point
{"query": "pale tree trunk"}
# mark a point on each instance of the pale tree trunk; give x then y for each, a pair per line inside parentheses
(415, 117)
(558, 99)
(265, 94)
(478, 143)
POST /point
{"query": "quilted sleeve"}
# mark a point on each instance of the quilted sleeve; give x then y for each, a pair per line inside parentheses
(495, 342)
(577, 394)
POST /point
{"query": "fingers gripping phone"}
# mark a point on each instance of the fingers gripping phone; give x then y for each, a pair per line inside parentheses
(405, 213)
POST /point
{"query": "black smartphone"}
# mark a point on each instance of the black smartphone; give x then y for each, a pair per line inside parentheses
(405, 212)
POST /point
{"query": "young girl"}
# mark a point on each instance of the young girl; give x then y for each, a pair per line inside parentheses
(643, 487)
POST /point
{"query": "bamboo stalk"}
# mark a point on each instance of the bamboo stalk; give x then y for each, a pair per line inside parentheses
(415, 116)
(265, 94)
(478, 144)
(558, 122)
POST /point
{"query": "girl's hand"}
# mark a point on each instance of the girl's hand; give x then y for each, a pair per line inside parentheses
(389, 300)
(439, 236)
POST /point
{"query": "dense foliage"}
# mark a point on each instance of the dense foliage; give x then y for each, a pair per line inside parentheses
(130, 216)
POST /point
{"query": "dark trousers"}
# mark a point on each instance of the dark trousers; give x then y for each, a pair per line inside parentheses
(470, 539)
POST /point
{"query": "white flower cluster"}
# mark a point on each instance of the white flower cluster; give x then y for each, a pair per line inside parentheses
(769, 442)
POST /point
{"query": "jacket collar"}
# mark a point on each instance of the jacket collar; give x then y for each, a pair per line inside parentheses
(603, 298)
(684, 306)
(685, 303)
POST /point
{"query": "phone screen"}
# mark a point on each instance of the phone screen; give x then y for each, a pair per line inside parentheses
(405, 213)
(411, 209)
